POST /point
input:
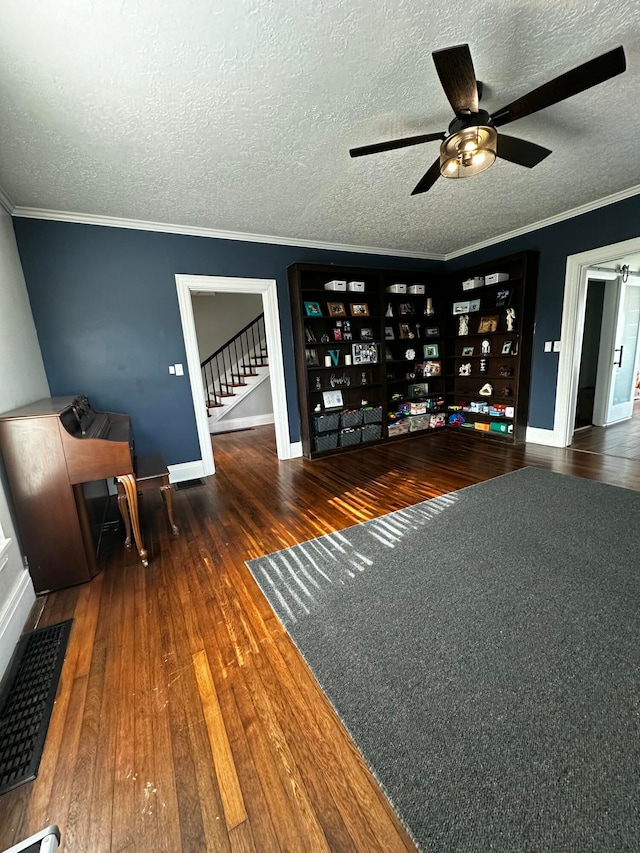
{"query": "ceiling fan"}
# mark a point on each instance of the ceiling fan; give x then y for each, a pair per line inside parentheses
(472, 142)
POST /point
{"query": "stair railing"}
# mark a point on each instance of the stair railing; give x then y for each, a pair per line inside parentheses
(225, 368)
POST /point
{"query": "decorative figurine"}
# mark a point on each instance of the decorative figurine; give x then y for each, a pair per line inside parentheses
(463, 324)
(486, 390)
(506, 370)
(428, 307)
(507, 392)
(318, 384)
(465, 369)
(485, 347)
(363, 378)
(318, 408)
(511, 319)
(389, 311)
(483, 365)
(410, 354)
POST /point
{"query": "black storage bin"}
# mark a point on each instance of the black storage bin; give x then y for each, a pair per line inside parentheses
(372, 415)
(351, 418)
(325, 441)
(349, 437)
(326, 422)
(371, 432)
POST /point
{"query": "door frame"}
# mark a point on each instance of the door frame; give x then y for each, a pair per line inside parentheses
(572, 328)
(267, 288)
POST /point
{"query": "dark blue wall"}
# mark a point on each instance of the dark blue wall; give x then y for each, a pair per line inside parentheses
(611, 224)
(106, 311)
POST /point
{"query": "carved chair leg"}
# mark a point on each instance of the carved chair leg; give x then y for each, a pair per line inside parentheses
(129, 484)
(124, 512)
(167, 495)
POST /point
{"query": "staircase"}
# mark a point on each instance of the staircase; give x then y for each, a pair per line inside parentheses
(233, 371)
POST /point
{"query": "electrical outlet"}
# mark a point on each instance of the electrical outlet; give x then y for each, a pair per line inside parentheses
(172, 369)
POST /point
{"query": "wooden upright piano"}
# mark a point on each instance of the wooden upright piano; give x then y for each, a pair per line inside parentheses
(50, 448)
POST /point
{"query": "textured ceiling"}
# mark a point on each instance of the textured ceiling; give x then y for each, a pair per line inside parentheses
(239, 115)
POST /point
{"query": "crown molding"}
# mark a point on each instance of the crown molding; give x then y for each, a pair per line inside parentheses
(192, 231)
(6, 202)
(544, 223)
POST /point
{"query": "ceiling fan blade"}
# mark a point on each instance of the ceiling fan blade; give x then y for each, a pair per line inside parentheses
(520, 151)
(396, 143)
(455, 70)
(427, 181)
(565, 86)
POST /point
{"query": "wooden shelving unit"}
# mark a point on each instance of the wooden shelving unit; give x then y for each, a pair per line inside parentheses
(490, 347)
(391, 369)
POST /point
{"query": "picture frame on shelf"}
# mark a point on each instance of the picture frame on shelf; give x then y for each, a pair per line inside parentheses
(309, 337)
(430, 351)
(337, 334)
(336, 309)
(474, 306)
(503, 297)
(389, 334)
(431, 368)
(312, 309)
(311, 357)
(364, 353)
(460, 308)
(406, 309)
(366, 334)
(332, 399)
(488, 324)
(359, 309)
(418, 389)
(507, 347)
(432, 332)
(405, 331)
(467, 351)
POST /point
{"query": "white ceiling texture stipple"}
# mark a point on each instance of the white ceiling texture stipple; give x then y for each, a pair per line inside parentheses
(239, 115)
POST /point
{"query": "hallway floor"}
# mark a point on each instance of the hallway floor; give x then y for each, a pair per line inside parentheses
(621, 439)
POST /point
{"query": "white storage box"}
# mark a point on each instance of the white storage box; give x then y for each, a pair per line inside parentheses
(472, 283)
(509, 412)
(496, 277)
(336, 284)
(416, 288)
(356, 285)
(396, 288)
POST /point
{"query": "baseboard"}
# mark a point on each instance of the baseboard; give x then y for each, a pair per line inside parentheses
(548, 437)
(228, 424)
(186, 471)
(14, 616)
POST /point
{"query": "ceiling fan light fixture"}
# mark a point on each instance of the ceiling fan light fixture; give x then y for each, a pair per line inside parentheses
(468, 152)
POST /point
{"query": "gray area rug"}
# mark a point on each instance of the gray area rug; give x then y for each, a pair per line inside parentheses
(482, 650)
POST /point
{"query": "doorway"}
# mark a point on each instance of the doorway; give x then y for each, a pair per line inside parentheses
(186, 285)
(574, 318)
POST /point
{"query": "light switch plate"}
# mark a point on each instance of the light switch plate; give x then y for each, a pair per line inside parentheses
(172, 369)
(179, 370)
(556, 346)
(548, 346)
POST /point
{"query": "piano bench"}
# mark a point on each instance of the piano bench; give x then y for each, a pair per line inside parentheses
(151, 473)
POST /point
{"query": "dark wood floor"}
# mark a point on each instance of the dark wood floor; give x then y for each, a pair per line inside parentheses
(622, 439)
(185, 719)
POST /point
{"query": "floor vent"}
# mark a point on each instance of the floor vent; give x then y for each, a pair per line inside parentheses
(27, 700)
(189, 484)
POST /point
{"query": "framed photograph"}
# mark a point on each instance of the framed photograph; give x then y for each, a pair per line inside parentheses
(388, 333)
(336, 309)
(431, 368)
(467, 351)
(405, 331)
(506, 347)
(430, 350)
(474, 305)
(432, 332)
(364, 353)
(359, 309)
(332, 399)
(366, 334)
(311, 357)
(312, 309)
(461, 307)
(309, 337)
(337, 334)
(406, 308)
(503, 297)
(488, 324)
(418, 389)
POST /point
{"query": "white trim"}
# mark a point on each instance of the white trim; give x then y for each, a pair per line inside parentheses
(13, 617)
(268, 289)
(535, 435)
(575, 294)
(215, 233)
(6, 202)
(295, 450)
(186, 471)
(544, 223)
(227, 424)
